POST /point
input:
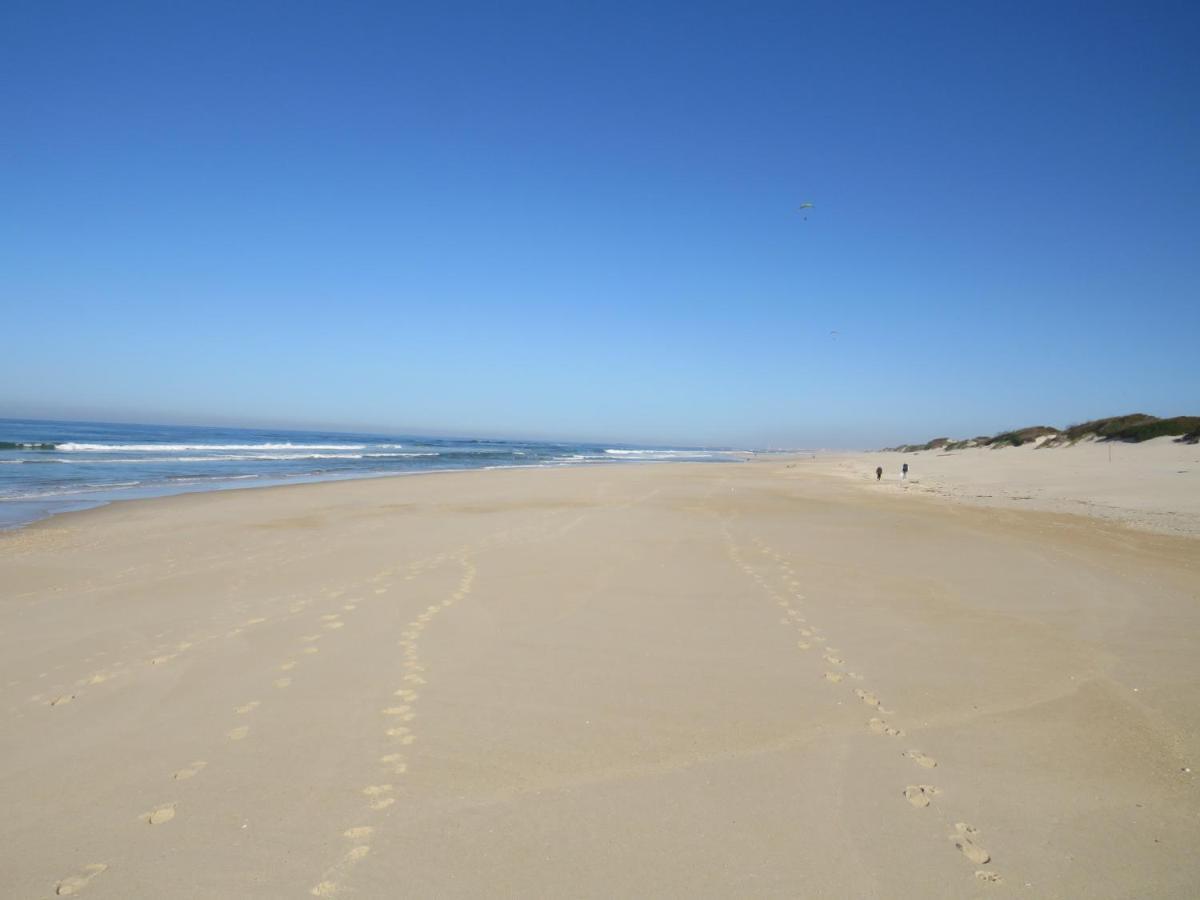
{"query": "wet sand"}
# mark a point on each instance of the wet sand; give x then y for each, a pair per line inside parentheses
(660, 681)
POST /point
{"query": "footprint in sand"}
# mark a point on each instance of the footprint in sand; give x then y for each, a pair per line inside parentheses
(396, 761)
(804, 645)
(311, 650)
(257, 621)
(925, 762)
(360, 833)
(236, 734)
(377, 793)
(288, 666)
(332, 617)
(834, 660)
(334, 626)
(920, 795)
(868, 698)
(160, 816)
(159, 660)
(964, 838)
(879, 726)
(834, 677)
(247, 708)
(76, 883)
(990, 877)
(192, 770)
(281, 683)
(405, 694)
(62, 699)
(309, 638)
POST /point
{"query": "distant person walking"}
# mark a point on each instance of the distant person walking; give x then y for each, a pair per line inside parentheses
(904, 472)
(878, 472)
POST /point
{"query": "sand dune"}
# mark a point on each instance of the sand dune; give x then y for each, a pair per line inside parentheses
(664, 680)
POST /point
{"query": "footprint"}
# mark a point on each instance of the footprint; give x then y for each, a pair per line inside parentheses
(99, 678)
(194, 769)
(332, 617)
(920, 795)
(236, 734)
(835, 677)
(334, 626)
(359, 833)
(804, 645)
(311, 637)
(833, 660)
(282, 682)
(964, 839)
(288, 666)
(406, 694)
(76, 883)
(160, 816)
(926, 762)
(396, 761)
(879, 726)
(311, 650)
(62, 699)
(868, 698)
(378, 795)
(257, 621)
(247, 708)
(990, 877)
(159, 660)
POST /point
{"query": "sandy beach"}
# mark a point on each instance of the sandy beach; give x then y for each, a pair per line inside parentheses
(767, 679)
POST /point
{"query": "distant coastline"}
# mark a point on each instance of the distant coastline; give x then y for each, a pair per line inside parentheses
(1131, 428)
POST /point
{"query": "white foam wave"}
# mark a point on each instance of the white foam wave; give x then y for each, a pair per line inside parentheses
(375, 455)
(177, 448)
(674, 454)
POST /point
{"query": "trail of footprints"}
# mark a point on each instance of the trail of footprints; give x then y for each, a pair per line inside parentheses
(396, 729)
(163, 813)
(964, 837)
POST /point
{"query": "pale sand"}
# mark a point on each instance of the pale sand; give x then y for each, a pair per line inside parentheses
(654, 681)
(1153, 486)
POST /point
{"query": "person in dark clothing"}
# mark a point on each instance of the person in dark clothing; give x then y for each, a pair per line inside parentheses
(904, 472)
(878, 472)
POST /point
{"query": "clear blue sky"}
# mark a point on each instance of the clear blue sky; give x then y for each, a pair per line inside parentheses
(581, 220)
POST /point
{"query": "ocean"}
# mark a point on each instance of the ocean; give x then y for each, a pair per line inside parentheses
(49, 467)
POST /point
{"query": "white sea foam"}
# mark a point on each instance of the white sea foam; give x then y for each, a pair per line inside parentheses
(674, 454)
(176, 448)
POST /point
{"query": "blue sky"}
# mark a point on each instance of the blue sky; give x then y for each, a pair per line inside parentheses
(575, 220)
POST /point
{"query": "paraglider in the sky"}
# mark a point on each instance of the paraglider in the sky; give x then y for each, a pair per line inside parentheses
(804, 207)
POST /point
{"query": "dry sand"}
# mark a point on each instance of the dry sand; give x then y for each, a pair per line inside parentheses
(750, 680)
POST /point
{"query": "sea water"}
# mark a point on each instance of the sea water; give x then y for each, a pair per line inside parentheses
(48, 467)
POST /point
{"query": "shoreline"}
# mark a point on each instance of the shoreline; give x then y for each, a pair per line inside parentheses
(304, 480)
